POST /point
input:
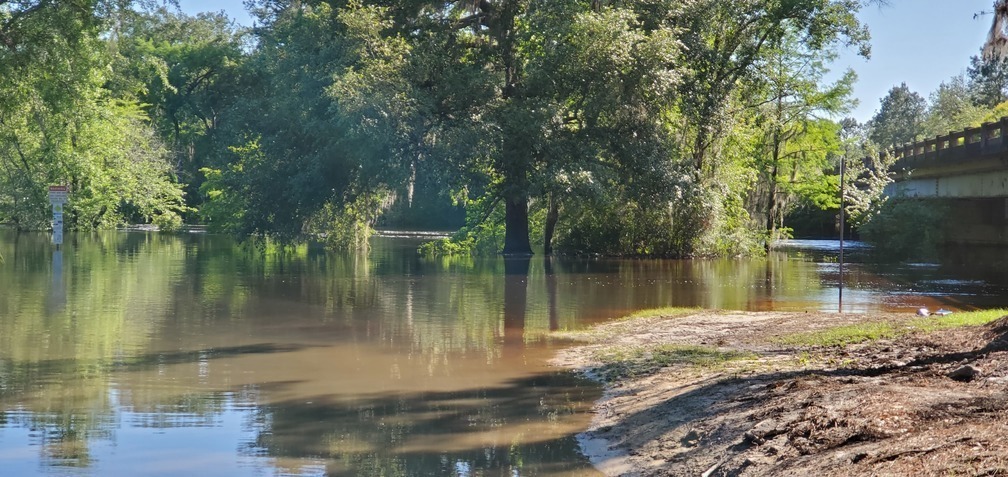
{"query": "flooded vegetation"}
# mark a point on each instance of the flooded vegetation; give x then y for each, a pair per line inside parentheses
(145, 353)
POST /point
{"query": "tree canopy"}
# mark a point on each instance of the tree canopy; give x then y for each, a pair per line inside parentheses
(61, 124)
(644, 127)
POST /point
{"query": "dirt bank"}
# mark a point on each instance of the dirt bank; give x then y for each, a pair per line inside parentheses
(720, 393)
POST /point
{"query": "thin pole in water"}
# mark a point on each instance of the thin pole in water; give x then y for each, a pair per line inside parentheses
(843, 160)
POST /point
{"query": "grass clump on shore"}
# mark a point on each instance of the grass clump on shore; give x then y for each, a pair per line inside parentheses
(958, 320)
(595, 334)
(668, 311)
(842, 335)
(862, 332)
(631, 362)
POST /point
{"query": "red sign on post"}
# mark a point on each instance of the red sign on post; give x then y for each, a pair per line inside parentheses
(57, 194)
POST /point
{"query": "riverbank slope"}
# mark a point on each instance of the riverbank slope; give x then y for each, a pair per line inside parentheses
(735, 393)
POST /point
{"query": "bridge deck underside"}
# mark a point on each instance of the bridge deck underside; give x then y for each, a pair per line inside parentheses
(991, 184)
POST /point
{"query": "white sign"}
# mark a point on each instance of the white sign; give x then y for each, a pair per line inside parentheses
(57, 197)
(57, 236)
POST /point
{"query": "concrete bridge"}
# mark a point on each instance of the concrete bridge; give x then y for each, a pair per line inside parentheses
(968, 170)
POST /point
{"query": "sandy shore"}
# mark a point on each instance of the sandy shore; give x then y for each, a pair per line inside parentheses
(720, 393)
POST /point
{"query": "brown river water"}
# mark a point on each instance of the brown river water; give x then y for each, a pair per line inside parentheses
(131, 353)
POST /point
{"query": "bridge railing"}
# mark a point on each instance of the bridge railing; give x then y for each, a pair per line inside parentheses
(970, 143)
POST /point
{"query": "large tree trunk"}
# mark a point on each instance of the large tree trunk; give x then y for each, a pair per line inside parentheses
(516, 227)
(771, 217)
(515, 170)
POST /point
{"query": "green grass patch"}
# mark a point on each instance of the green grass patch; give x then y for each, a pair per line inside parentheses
(630, 362)
(842, 335)
(859, 333)
(668, 311)
(957, 320)
(619, 326)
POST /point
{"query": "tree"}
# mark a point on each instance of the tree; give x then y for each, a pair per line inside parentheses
(726, 40)
(483, 91)
(900, 119)
(186, 68)
(588, 104)
(988, 72)
(286, 161)
(988, 80)
(60, 125)
(559, 117)
(952, 109)
(867, 171)
(797, 140)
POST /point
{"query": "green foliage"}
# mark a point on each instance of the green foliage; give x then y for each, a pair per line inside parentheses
(186, 70)
(843, 335)
(755, 100)
(222, 209)
(988, 80)
(630, 362)
(906, 228)
(958, 320)
(727, 40)
(952, 108)
(586, 106)
(125, 177)
(900, 119)
(61, 125)
(584, 114)
(316, 153)
(865, 178)
(483, 233)
(675, 218)
(859, 333)
(350, 226)
(614, 224)
(664, 312)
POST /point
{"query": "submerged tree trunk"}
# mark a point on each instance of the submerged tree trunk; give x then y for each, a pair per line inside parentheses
(516, 272)
(551, 294)
(516, 227)
(552, 215)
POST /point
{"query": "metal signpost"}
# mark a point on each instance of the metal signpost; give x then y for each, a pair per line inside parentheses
(57, 197)
(842, 222)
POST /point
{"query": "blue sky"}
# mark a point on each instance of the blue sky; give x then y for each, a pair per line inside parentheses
(234, 8)
(920, 42)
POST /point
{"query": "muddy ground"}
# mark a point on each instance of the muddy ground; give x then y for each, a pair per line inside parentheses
(922, 404)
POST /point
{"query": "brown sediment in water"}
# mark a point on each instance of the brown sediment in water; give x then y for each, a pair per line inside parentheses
(917, 404)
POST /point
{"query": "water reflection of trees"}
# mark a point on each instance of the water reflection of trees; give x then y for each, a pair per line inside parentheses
(140, 308)
(56, 355)
(139, 304)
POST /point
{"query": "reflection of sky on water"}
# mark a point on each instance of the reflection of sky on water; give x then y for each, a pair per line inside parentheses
(152, 444)
(821, 245)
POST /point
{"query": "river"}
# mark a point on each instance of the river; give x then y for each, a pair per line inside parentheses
(133, 353)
